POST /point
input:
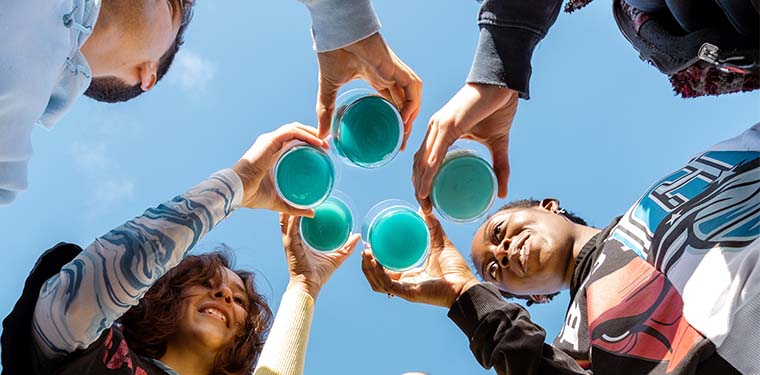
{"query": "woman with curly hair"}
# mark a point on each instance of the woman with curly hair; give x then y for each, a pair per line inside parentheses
(134, 303)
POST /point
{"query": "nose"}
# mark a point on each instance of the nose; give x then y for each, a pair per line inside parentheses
(500, 254)
(225, 293)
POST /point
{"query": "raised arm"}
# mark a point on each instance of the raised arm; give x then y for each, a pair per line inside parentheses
(348, 44)
(112, 274)
(483, 109)
(501, 334)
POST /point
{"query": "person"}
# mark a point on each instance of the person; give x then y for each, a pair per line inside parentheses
(484, 108)
(134, 302)
(670, 287)
(113, 51)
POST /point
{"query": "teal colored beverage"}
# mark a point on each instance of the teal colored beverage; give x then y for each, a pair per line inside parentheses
(464, 188)
(399, 239)
(304, 176)
(368, 132)
(330, 227)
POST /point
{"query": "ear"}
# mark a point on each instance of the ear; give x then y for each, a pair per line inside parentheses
(148, 72)
(550, 204)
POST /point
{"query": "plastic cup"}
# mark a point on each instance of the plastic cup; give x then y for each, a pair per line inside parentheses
(330, 227)
(465, 186)
(397, 235)
(367, 129)
(304, 176)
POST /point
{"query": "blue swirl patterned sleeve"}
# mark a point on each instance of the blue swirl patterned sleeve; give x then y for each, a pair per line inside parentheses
(114, 272)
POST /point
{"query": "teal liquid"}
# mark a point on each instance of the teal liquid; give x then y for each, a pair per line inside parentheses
(369, 132)
(399, 239)
(463, 189)
(304, 176)
(330, 227)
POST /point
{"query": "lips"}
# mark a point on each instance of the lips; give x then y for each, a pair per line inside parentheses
(216, 311)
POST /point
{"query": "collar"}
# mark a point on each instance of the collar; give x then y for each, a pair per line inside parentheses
(587, 257)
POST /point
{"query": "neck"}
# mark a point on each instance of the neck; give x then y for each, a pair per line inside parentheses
(582, 235)
(187, 361)
(99, 48)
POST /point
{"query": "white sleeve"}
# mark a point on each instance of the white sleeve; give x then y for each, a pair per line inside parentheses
(339, 23)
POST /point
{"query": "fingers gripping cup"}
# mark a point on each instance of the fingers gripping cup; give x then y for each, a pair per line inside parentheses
(397, 235)
(330, 227)
(367, 129)
(465, 186)
(304, 176)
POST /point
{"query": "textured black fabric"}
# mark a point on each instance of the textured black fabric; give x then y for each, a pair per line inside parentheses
(16, 342)
(587, 256)
(502, 335)
(509, 32)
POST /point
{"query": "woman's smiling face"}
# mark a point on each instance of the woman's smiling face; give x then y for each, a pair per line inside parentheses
(525, 251)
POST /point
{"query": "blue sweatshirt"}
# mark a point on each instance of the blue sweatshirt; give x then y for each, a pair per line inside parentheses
(42, 72)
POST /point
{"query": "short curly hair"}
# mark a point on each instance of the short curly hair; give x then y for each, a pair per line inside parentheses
(148, 325)
(528, 203)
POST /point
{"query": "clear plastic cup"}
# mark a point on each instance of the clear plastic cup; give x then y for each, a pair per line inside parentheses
(304, 175)
(397, 235)
(367, 130)
(465, 186)
(331, 226)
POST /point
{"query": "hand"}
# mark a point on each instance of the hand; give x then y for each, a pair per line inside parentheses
(479, 112)
(443, 278)
(310, 270)
(255, 166)
(372, 60)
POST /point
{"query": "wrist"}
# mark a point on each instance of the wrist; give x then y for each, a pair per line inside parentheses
(463, 288)
(300, 283)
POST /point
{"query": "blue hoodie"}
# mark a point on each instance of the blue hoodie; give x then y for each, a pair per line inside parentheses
(42, 72)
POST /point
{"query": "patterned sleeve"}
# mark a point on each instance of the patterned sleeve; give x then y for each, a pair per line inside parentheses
(114, 272)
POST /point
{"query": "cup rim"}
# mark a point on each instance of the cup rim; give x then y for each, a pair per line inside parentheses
(454, 153)
(350, 232)
(341, 110)
(290, 149)
(383, 207)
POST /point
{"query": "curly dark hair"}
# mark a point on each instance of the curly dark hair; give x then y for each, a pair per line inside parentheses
(528, 203)
(148, 325)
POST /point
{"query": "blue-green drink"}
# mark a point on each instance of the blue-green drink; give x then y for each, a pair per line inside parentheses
(330, 227)
(367, 129)
(399, 238)
(464, 187)
(304, 176)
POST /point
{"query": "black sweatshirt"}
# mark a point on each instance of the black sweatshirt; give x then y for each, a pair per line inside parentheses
(509, 32)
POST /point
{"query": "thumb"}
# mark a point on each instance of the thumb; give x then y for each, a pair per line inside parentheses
(500, 154)
(325, 105)
(283, 207)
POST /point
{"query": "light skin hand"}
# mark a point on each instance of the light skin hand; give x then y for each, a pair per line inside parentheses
(309, 270)
(443, 278)
(372, 60)
(479, 112)
(254, 168)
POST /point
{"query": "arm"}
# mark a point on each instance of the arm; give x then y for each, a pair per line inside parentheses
(502, 335)
(338, 23)
(111, 275)
(285, 350)
(509, 32)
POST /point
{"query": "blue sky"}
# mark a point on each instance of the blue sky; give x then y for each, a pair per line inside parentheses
(600, 127)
